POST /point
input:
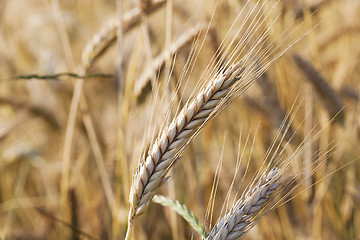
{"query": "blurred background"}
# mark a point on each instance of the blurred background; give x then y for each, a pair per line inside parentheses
(69, 145)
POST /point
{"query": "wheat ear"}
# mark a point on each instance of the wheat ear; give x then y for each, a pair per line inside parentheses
(248, 209)
(169, 144)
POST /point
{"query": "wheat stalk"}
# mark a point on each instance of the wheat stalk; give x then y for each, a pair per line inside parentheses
(249, 208)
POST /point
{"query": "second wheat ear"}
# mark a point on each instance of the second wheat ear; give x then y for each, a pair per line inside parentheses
(247, 211)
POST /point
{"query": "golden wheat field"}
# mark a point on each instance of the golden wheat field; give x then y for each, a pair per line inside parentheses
(88, 91)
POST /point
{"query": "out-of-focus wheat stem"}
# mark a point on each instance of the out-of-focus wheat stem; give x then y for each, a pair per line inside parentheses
(73, 202)
(66, 158)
